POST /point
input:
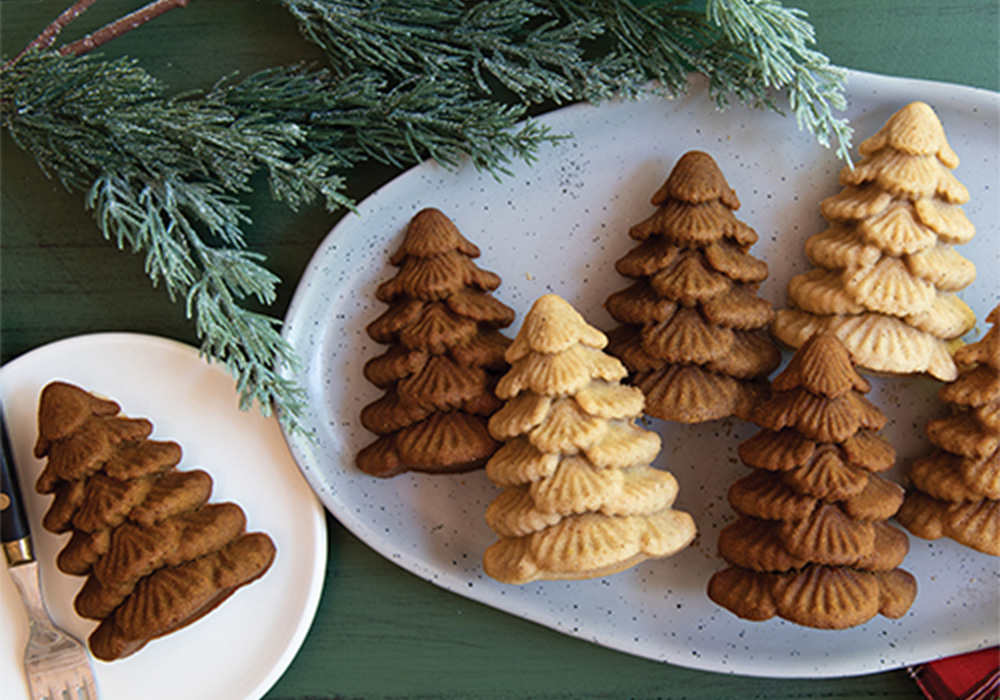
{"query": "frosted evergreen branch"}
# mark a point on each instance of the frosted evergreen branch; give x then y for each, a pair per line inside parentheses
(164, 174)
(653, 42)
(778, 41)
(408, 80)
(368, 117)
(150, 218)
(590, 50)
(527, 47)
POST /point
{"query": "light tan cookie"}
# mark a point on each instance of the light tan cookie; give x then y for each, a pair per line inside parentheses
(886, 269)
(580, 498)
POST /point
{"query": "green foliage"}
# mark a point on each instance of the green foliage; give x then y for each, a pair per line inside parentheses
(407, 80)
(592, 50)
(164, 173)
(777, 40)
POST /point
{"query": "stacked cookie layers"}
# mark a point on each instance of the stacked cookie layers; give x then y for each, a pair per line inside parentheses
(157, 555)
(693, 332)
(580, 498)
(955, 489)
(886, 269)
(445, 356)
(811, 544)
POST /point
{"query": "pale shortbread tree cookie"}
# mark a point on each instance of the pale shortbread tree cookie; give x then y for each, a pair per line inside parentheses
(580, 498)
(955, 489)
(886, 268)
(693, 331)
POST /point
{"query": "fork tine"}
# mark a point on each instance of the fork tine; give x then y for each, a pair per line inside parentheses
(89, 688)
(81, 689)
(46, 691)
(62, 684)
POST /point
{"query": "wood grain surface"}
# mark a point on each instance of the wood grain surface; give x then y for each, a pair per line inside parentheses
(381, 633)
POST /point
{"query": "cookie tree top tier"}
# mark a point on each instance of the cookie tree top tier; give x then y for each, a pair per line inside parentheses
(886, 269)
(580, 498)
(445, 355)
(157, 555)
(811, 544)
(693, 330)
(956, 488)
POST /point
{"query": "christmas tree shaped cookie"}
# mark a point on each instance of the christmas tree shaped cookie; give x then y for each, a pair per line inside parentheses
(444, 358)
(886, 268)
(580, 498)
(955, 489)
(811, 543)
(157, 555)
(693, 331)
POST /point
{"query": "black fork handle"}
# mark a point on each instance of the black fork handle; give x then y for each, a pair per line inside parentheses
(13, 519)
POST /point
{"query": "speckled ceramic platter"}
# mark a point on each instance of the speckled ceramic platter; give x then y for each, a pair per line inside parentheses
(558, 226)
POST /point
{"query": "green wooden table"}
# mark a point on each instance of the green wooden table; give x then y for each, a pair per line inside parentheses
(380, 632)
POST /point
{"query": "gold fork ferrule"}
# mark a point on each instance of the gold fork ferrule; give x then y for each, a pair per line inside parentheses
(19, 551)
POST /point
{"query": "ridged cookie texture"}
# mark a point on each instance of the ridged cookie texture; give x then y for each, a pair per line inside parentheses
(580, 499)
(156, 553)
(811, 543)
(445, 355)
(955, 490)
(886, 269)
(692, 329)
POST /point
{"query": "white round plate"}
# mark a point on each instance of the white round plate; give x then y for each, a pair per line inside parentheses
(559, 226)
(262, 625)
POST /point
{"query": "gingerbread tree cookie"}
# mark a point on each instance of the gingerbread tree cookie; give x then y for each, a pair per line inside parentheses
(886, 268)
(157, 555)
(580, 498)
(811, 543)
(444, 358)
(693, 331)
(955, 489)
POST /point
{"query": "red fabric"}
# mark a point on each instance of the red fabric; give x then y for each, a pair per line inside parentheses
(972, 676)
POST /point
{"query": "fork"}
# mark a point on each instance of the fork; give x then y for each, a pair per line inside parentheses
(56, 663)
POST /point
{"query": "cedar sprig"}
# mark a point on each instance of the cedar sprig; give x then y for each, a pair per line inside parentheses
(521, 45)
(777, 41)
(164, 174)
(407, 80)
(213, 281)
(591, 50)
(365, 117)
